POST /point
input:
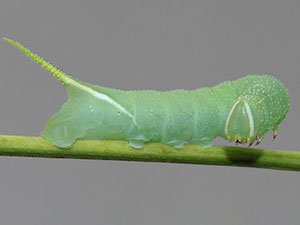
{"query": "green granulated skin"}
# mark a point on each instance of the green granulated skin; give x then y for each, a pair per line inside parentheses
(240, 110)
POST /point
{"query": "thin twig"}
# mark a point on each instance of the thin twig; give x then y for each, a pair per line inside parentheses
(152, 152)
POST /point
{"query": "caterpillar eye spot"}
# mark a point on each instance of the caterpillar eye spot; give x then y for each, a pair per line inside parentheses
(151, 112)
(182, 112)
(119, 112)
(91, 108)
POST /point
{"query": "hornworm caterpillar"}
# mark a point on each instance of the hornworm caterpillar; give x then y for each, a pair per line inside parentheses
(241, 111)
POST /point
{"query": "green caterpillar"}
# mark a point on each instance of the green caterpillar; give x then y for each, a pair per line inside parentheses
(241, 111)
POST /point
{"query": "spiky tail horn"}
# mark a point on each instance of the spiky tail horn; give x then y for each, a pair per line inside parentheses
(64, 78)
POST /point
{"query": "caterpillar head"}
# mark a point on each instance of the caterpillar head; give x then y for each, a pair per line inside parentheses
(250, 118)
(240, 123)
(262, 106)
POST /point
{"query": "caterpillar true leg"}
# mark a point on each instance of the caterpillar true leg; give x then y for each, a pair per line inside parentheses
(275, 132)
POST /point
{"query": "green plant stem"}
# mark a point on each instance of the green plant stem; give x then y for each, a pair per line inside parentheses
(152, 152)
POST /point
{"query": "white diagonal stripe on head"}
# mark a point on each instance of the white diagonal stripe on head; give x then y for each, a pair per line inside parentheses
(250, 117)
(229, 115)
